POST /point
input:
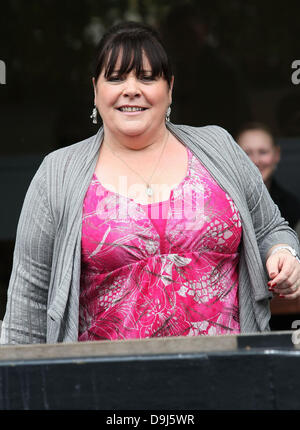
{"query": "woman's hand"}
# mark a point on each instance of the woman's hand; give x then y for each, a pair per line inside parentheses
(284, 273)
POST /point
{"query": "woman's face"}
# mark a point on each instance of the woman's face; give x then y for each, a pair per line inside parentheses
(131, 105)
(261, 150)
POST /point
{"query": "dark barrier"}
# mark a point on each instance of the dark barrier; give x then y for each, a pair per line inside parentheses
(252, 372)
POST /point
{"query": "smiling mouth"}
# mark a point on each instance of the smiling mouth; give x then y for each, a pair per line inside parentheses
(131, 109)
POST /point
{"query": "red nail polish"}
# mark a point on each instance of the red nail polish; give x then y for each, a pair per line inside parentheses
(281, 296)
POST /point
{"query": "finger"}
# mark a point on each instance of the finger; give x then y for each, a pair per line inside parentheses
(286, 267)
(290, 296)
(292, 292)
(279, 267)
(272, 267)
(288, 290)
(280, 279)
(289, 285)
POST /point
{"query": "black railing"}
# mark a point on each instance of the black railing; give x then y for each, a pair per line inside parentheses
(252, 372)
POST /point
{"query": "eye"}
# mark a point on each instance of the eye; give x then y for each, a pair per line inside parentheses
(147, 78)
(146, 75)
(114, 78)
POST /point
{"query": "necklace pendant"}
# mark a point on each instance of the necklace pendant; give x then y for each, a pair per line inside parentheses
(149, 191)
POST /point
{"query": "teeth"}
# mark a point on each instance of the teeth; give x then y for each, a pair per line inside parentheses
(130, 109)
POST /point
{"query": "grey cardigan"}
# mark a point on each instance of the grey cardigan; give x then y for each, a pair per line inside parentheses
(43, 292)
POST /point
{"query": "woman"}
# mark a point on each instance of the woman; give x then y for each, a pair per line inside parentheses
(258, 142)
(103, 253)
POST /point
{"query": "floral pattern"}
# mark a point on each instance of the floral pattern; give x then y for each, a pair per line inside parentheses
(166, 269)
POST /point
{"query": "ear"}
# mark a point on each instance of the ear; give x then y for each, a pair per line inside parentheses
(171, 89)
(95, 87)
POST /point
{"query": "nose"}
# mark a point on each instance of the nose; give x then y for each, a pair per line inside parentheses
(256, 160)
(131, 88)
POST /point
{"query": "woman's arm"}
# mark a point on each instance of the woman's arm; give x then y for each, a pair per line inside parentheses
(271, 231)
(26, 311)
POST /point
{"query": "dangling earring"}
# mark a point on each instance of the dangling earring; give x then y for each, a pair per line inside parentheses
(94, 115)
(168, 113)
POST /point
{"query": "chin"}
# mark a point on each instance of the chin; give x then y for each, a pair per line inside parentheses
(133, 131)
(267, 178)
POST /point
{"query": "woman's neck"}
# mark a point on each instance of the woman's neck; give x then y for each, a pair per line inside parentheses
(147, 142)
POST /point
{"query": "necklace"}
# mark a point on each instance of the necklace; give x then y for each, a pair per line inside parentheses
(149, 190)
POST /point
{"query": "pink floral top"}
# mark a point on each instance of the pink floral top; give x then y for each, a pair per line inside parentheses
(164, 269)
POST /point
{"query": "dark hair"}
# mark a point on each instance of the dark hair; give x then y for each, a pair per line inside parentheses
(132, 39)
(255, 125)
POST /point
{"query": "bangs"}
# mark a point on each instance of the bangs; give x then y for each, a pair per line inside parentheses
(132, 51)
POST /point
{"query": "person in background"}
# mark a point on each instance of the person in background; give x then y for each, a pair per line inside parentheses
(148, 228)
(259, 143)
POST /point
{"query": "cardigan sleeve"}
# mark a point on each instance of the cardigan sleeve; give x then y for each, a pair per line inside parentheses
(270, 227)
(26, 310)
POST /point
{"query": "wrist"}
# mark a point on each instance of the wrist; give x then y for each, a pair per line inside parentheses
(285, 249)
